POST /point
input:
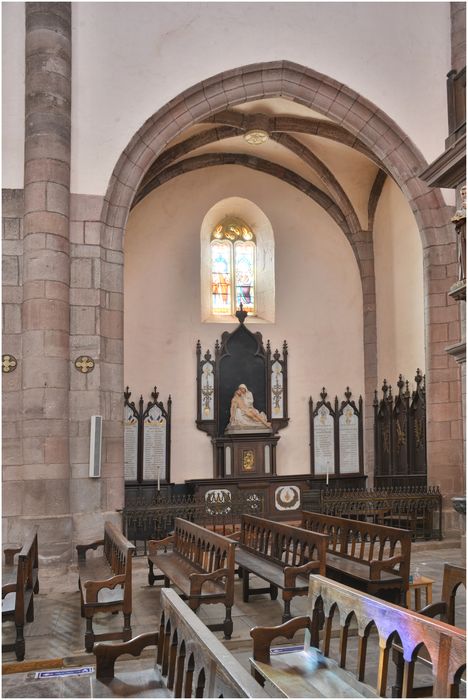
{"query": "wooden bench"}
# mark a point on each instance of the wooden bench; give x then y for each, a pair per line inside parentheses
(19, 584)
(105, 582)
(200, 563)
(311, 672)
(454, 576)
(281, 554)
(190, 662)
(369, 557)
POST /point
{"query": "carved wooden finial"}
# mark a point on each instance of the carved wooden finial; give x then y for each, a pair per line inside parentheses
(241, 314)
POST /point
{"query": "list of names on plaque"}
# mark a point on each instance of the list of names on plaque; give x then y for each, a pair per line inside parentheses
(130, 446)
(324, 442)
(154, 451)
(349, 441)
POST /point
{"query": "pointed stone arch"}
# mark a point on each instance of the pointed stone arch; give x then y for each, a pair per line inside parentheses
(397, 155)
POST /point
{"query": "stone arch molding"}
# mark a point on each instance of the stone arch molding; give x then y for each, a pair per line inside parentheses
(397, 154)
(373, 128)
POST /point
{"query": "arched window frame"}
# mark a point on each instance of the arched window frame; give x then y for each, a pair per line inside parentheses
(228, 271)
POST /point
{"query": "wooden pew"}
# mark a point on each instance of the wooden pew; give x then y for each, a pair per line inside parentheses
(190, 661)
(280, 554)
(454, 576)
(369, 557)
(19, 584)
(200, 563)
(105, 582)
(311, 673)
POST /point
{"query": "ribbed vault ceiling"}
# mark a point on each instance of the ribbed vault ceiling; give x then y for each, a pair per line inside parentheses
(313, 154)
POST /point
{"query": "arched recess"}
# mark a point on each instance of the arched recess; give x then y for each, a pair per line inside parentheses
(252, 214)
(390, 146)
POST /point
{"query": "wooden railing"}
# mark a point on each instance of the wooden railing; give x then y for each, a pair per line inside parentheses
(414, 508)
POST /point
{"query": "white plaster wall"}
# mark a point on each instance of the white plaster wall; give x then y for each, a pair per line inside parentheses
(318, 305)
(13, 68)
(399, 288)
(131, 58)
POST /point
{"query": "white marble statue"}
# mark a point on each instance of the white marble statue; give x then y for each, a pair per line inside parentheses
(243, 412)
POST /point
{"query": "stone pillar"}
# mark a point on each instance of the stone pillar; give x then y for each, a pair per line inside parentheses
(46, 276)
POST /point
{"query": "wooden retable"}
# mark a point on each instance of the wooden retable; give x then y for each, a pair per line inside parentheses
(421, 583)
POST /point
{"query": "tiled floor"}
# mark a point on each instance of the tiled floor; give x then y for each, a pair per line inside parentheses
(58, 629)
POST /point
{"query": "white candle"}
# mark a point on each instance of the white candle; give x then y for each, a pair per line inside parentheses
(327, 474)
(159, 481)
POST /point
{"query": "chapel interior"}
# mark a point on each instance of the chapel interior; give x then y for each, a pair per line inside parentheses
(234, 349)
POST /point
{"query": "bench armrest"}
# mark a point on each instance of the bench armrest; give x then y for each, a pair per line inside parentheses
(93, 587)
(197, 580)
(433, 609)
(9, 553)
(376, 566)
(235, 536)
(83, 548)
(154, 545)
(263, 636)
(290, 572)
(107, 654)
(8, 588)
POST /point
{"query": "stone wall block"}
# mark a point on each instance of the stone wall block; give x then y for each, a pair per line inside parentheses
(56, 450)
(35, 197)
(12, 229)
(55, 403)
(12, 500)
(113, 494)
(79, 452)
(111, 324)
(33, 343)
(45, 314)
(85, 345)
(33, 242)
(12, 318)
(111, 277)
(85, 495)
(46, 496)
(12, 452)
(44, 147)
(84, 405)
(46, 170)
(45, 372)
(57, 198)
(77, 232)
(12, 203)
(49, 265)
(114, 301)
(112, 350)
(85, 297)
(33, 450)
(81, 273)
(46, 222)
(10, 270)
(85, 207)
(56, 343)
(92, 232)
(82, 320)
(33, 402)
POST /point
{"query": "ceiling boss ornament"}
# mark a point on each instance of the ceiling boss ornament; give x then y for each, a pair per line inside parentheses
(9, 363)
(84, 364)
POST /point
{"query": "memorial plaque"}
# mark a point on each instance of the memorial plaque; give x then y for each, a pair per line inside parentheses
(324, 442)
(207, 392)
(349, 441)
(130, 445)
(154, 446)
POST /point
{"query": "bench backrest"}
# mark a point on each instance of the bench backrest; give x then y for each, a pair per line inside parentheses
(208, 550)
(362, 541)
(193, 661)
(445, 644)
(285, 544)
(119, 553)
(26, 573)
(454, 576)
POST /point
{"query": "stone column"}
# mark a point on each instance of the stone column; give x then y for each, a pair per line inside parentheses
(46, 275)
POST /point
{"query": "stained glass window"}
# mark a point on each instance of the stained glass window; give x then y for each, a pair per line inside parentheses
(233, 251)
